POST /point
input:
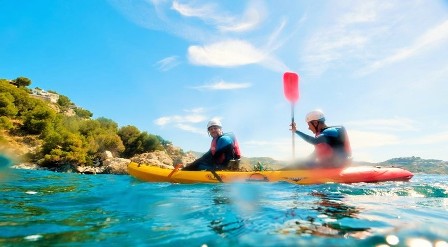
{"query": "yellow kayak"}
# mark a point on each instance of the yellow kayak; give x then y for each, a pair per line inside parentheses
(353, 174)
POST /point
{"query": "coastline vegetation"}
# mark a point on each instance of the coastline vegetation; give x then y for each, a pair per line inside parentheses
(62, 132)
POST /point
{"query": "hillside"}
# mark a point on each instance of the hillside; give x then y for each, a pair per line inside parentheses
(46, 128)
(418, 165)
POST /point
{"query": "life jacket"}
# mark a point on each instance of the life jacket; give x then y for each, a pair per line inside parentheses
(236, 153)
(236, 146)
(336, 147)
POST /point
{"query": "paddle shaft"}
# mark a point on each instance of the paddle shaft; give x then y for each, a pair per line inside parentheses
(293, 134)
(216, 176)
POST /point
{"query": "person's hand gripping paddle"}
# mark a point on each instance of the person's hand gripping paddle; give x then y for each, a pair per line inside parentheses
(291, 89)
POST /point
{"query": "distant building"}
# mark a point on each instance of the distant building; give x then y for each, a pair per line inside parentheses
(40, 93)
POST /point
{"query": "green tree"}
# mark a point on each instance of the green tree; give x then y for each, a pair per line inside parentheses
(38, 120)
(7, 106)
(128, 133)
(82, 113)
(163, 142)
(52, 141)
(64, 102)
(22, 100)
(110, 142)
(21, 82)
(61, 148)
(136, 142)
(107, 124)
(89, 127)
(5, 123)
(101, 135)
(148, 143)
(70, 123)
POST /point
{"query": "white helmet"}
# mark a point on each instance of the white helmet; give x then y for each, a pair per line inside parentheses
(214, 122)
(315, 115)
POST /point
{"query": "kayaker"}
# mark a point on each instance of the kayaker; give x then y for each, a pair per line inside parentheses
(332, 146)
(224, 151)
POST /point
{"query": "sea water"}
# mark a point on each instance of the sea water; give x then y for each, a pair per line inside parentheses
(43, 208)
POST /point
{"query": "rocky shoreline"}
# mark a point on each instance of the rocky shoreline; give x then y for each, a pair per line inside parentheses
(115, 165)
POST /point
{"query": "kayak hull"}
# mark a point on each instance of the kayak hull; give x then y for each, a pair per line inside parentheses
(354, 174)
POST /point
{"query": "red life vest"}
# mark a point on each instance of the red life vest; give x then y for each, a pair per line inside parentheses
(236, 147)
(341, 144)
(323, 151)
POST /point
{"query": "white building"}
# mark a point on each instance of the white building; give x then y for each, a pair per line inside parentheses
(40, 93)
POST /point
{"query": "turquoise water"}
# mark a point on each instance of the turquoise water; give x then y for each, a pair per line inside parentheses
(42, 208)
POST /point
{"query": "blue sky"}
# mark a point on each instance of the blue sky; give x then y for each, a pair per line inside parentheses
(380, 68)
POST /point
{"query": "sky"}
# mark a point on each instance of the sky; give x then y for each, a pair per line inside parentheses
(379, 68)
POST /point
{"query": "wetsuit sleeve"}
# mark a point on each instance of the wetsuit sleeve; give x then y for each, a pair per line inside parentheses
(312, 140)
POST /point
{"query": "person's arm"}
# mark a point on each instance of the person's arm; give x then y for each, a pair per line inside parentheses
(207, 156)
(307, 138)
(311, 139)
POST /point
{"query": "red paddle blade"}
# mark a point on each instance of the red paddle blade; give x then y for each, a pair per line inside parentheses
(291, 86)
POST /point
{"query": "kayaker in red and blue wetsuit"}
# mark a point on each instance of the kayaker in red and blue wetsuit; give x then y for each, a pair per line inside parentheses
(223, 149)
(332, 146)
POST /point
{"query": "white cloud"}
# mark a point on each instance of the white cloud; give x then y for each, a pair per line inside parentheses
(274, 64)
(205, 11)
(162, 121)
(273, 39)
(252, 17)
(196, 110)
(431, 39)
(190, 128)
(168, 63)
(363, 139)
(345, 38)
(430, 139)
(222, 85)
(391, 124)
(195, 116)
(366, 12)
(212, 26)
(187, 121)
(228, 53)
(327, 47)
(211, 14)
(375, 147)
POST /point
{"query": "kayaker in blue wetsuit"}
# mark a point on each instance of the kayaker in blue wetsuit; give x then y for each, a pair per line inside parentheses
(224, 150)
(332, 146)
